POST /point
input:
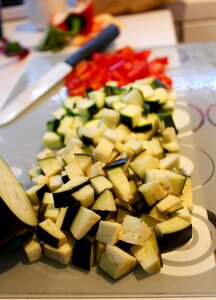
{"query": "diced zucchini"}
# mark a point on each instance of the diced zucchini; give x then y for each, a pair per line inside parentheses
(131, 115)
(98, 97)
(52, 140)
(110, 117)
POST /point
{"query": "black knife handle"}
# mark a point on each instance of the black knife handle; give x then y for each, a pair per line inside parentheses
(99, 43)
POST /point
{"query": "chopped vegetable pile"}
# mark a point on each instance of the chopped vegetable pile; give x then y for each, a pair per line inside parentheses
(123, 66)
(108, 189)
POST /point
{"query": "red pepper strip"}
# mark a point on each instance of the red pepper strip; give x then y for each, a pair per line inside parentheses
(124, 66)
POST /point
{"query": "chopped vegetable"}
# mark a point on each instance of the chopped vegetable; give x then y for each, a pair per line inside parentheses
(123, 66)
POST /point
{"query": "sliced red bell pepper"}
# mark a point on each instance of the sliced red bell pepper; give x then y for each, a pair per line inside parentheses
(124, 66)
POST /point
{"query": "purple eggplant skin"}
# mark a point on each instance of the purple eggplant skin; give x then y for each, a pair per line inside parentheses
(11, 228)
(173, 240)
(82, 254)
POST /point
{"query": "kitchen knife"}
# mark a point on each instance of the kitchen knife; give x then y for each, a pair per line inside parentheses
(54, 75)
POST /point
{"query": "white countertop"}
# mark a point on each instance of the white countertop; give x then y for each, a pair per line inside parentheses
(140, 31)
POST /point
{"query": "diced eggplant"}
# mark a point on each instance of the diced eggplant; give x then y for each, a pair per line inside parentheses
(122, 213)
(51, 212)
(104, 202)
(103, 150)
(142, 162)
(169, 204)
(55, 182)
(100, 183)
(50, 166)
(121, 185)
(108, 232)
(187, 194)
(148, 257)
(173, 233)
(62, 196)
(32, 248)
(16, 211)
(36, 193)
(152, 192)
(116, 263)
(96, 169)
(116, 163)
(84, 161)
(63, 254)
(134, 231)
(48, 232)
(84, 220)
(171, 180)
(154, 148)
(83, 254)
(85, 195)
(135, 145)
(150, 221)
(74, 169)
(66, 216)
(79, 182)
(154, 213)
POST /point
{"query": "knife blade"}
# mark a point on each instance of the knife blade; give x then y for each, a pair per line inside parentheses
(55, 74)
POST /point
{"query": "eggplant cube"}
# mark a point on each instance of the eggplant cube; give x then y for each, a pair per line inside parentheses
(121, 185)
(108, 232)
(83, 254)
(84, 220)
(103, 150)
(173, 232)
(134, 231)
(105, 202)
(147, 257)
(62, 254)
(116, 262)
(152, 192)
(32, 249)
(100, 183)
(48, 232)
